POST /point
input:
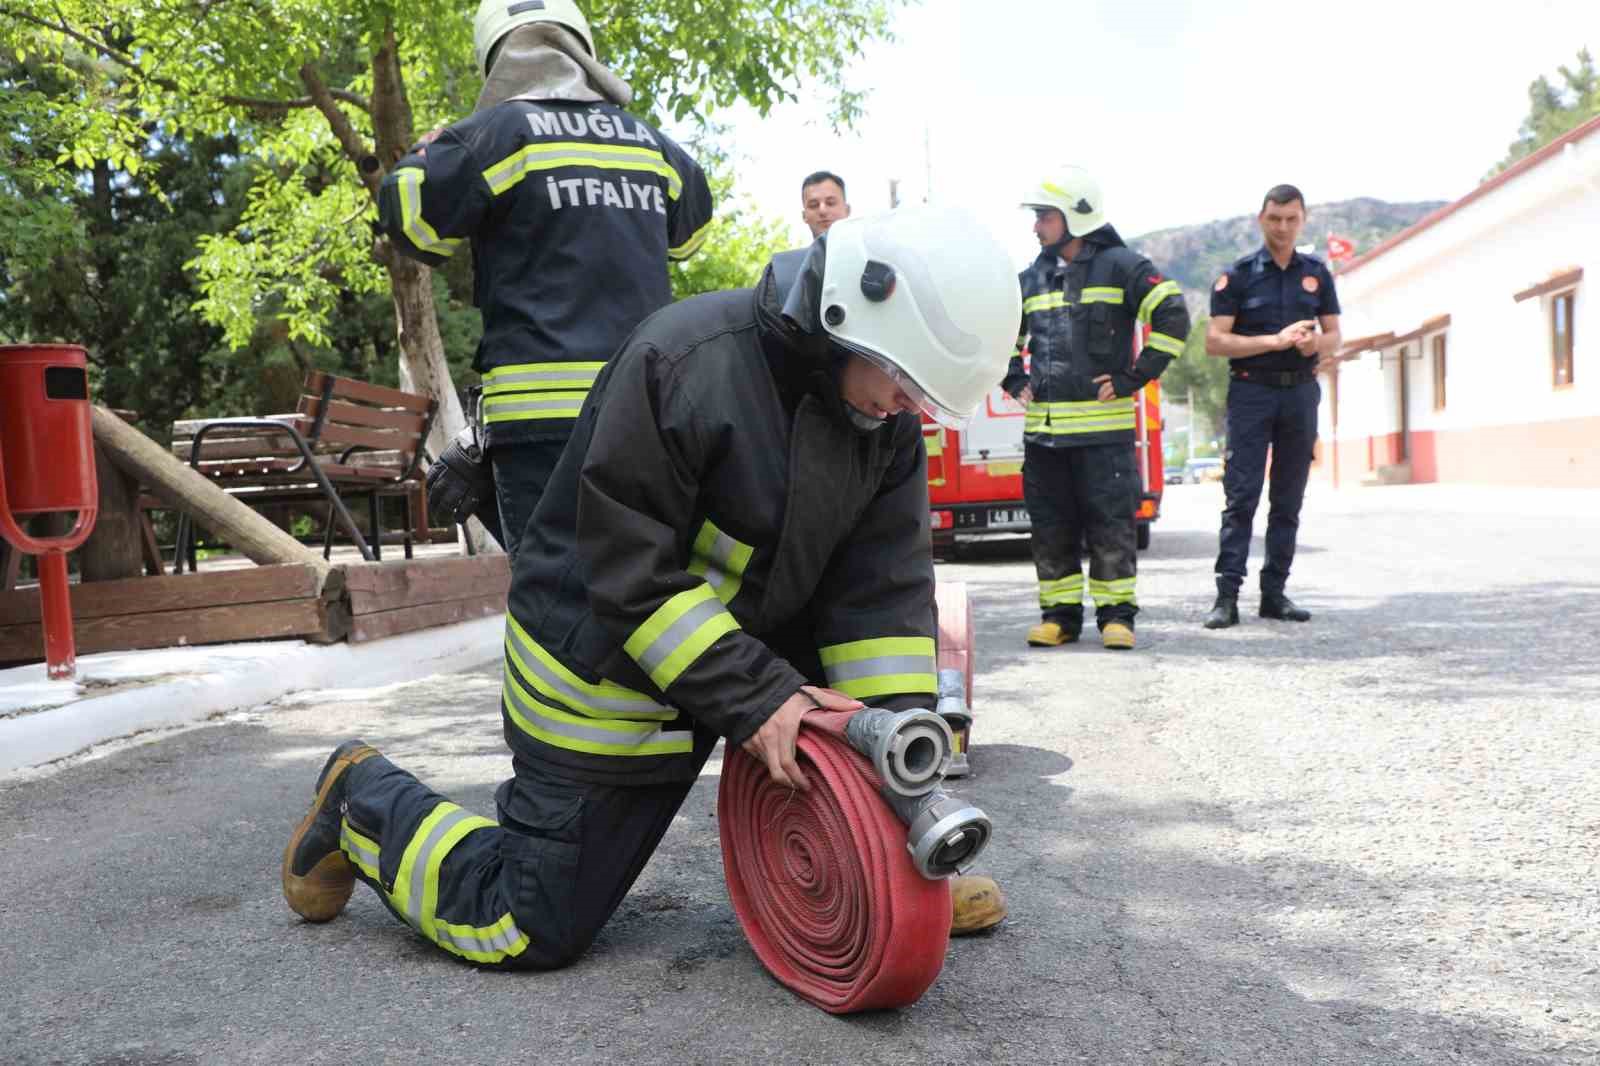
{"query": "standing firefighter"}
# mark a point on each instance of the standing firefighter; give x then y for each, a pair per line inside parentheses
(572, 207)
(741, 517)
(1083, 298)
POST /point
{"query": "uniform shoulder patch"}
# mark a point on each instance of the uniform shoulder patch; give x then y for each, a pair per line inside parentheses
(1222, 283)
(1154, 279)
(1310, 283)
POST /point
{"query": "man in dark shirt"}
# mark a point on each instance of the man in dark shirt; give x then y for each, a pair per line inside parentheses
(1273, 314)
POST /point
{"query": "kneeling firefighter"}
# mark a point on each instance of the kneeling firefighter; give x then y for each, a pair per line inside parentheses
(740, 519)
(1083, 299)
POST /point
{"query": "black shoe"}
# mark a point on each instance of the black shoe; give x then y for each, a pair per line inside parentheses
(1282, 608)
(1224, 613)
(317, 879)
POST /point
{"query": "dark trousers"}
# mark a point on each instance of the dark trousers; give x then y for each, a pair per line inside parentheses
(1077, 496)
(529, 893)
(521, 472)
(1259, 417)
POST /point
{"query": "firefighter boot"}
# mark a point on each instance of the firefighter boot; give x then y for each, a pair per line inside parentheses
(1117, 635)
(1224, 613)
(1053, 632)
(1277, 605)
(317, 879)
(976, 904)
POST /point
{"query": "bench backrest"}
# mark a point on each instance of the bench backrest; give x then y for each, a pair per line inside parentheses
(357, 430)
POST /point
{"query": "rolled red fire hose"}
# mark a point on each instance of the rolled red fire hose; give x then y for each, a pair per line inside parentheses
(821, 880)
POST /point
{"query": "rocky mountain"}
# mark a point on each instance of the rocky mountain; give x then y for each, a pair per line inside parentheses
(1194, 255)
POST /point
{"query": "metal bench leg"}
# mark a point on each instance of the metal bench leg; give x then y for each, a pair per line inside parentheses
(375, 520)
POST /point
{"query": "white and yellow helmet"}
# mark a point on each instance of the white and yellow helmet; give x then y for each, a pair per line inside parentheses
(929, 296)
(496, 18)
(1074, 192)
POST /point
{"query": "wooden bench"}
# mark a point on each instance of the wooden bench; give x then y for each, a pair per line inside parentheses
(347, 439)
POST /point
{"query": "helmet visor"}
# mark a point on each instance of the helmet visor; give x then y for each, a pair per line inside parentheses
(935, 410)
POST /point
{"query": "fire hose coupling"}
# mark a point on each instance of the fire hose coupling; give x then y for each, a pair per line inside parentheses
(952, 707)
(911, 750)
(944, 834)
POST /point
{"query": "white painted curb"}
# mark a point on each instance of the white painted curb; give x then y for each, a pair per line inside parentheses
(42, 720)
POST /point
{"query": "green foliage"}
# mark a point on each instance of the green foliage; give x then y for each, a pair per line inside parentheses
(1555, 109)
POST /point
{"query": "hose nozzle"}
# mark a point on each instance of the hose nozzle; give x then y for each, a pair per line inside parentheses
(944, 834)
(910, 750)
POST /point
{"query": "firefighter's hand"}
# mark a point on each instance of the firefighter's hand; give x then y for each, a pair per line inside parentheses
(774, 742)
(1026, 395)
(421, 147)
(1108, 391)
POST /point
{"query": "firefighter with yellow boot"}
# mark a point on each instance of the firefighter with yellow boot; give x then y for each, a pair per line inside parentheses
(740, 519)
(1083, 299)
(572, 207)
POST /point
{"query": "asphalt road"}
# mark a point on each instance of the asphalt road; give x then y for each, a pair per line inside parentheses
(1369, 839)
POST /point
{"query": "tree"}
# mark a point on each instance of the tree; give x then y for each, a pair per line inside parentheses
(1200, 376)
(1554, 110)
(325, 95)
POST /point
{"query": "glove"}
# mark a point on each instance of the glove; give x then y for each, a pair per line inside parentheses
(460, 482)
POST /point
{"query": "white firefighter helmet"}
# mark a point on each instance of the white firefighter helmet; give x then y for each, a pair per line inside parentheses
(930, 297)
(496, 18)
(1074, 192)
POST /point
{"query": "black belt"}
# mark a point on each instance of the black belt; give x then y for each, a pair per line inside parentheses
(1278, 379)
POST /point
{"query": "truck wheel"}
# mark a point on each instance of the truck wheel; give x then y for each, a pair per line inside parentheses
(1141, 535)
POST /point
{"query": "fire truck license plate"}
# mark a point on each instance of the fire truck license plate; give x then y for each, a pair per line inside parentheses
(1008, 516)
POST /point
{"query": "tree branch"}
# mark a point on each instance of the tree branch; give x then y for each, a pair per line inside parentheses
(354, 146)
(258, 104)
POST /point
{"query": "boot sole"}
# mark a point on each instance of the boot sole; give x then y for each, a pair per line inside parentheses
(321, 893)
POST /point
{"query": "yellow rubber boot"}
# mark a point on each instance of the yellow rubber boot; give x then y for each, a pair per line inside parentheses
(1117, 636)
(977, 904)
(1050, 635)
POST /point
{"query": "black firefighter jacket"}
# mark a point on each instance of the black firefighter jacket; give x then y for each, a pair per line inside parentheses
(572, 210)
(1078, 322)
(715, 535)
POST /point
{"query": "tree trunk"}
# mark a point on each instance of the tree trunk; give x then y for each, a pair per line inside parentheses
(423, 368)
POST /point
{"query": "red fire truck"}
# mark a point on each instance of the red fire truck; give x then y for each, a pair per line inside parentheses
(975, 475)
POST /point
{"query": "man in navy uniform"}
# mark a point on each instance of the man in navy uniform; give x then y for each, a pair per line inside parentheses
(1273, 314)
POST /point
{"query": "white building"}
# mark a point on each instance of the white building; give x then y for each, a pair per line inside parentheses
(1473, 338)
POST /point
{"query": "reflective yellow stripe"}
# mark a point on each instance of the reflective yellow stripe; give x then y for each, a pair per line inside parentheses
(491, 943)
(1108, 593)
(1065, 418)
(460, 826)
(360, 850)
(1101, 294)
(1147, 306)
(678, 633)
(720, 559)
(1065, 590)
(1045, 301)
(408, 182)
(407, 895)
(1161, 342)
(540, 377)
(556, 684)
(881, 667)
(553, 155)
(690, 246)
(592, 736)
(934, 442)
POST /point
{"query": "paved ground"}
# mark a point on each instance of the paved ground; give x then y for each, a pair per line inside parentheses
(1371, 839)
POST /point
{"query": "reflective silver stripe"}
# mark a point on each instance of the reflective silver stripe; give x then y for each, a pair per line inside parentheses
(857, 669)
(562, 377)
(651, 658)
(554, 721)
(502, 942)
(569, 694)
(360, 850)
(417, 889)
(560, 407)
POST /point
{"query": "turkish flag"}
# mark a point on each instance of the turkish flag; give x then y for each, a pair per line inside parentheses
(1340, 248)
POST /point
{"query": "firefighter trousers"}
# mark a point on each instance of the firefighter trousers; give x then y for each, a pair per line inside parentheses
(529, 892)
(1076, 497)
(521, 472)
